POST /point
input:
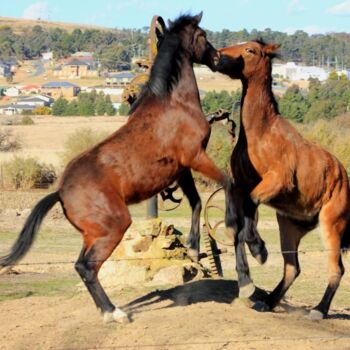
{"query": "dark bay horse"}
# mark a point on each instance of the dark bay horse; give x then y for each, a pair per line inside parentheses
(164, 138)
(273, 164)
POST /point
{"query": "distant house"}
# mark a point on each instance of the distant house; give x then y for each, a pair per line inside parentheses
(30, 89)
(36, 101)
(77, 68)
(5, 69)
(292, 71)
(47, 56)
(12, 92)
(107, 90)
(15, 108)
(58, 89)
(119, 79)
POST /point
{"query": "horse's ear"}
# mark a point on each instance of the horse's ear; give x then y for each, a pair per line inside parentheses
(170, 23)
(270, 49)
(198, 17)
(159, 34)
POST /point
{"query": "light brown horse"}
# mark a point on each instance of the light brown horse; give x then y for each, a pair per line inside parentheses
(273, 164)
(164, 138)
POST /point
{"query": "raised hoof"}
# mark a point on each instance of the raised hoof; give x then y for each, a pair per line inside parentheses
(246, 291)
(316, 315)
(193, 254)
(261, 306)
(116, 316)
(262, 257)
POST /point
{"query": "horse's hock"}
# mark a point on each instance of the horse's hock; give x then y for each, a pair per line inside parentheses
(151, 253)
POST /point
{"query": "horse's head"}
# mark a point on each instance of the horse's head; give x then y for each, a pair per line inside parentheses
(244, 60)
(194, 40)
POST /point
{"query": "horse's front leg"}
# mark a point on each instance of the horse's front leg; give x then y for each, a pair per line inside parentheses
(250, 232)
(188, 187)
(204, 165)
(270, 186)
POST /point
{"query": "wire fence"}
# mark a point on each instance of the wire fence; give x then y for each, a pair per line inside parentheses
(279, 252)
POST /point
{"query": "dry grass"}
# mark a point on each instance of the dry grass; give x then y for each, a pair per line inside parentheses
(45, 138)
(21, 25)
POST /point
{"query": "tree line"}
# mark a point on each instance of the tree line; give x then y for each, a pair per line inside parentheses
(87, 104)
(322, 101)
(113, 47)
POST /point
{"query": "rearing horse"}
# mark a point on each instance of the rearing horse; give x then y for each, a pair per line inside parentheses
(273, 164)
(164, 138)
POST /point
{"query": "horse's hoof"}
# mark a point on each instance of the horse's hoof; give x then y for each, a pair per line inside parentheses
(193, 254)
(262, 257)
(316, 315)
(246, 291)
(261, 306)
(116, 316)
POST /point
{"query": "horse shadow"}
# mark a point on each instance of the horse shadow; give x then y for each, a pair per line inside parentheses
(208, 290)
(211, 290)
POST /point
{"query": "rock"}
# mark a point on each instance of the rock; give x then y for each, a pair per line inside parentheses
(168, 275)
(142, 244)
(119, 274)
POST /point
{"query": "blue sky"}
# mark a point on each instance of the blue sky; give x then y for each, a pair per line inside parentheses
(312, 16)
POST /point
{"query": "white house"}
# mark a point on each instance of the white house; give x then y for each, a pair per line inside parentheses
(292, 71)
(47, 56)
(12, 92)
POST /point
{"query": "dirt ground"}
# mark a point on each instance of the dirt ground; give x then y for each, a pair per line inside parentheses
(204, 314)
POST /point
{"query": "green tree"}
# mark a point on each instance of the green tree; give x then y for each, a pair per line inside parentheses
(124, 109)
(59, 107)
(110, 110)
(72, 108)
(294, 105)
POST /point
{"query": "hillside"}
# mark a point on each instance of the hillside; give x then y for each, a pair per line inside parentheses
(21, 25)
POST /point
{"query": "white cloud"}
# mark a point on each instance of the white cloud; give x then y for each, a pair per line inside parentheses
(36, 10)
(295, 6)
(341, 9)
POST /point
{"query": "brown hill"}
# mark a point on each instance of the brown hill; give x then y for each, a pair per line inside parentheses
(20, 25)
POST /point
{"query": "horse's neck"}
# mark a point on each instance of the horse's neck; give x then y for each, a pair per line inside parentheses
(258, 106)
(187, 89)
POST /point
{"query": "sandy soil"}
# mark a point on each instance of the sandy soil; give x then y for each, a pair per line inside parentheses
(204, 314)
(200, 315)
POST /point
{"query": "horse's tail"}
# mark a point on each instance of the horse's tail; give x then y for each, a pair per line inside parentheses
(29, 231)
(345, 240)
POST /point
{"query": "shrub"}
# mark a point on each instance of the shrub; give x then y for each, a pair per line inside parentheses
(9, 142)
(26, 173)
(79, 141)
(42, 110)
(27, 120)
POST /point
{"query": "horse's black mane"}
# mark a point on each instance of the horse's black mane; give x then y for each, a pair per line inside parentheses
(166, 69)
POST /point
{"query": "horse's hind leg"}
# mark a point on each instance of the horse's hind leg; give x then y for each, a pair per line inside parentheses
(290, 234)
(332, 227)
(102, 232)
(188, 187)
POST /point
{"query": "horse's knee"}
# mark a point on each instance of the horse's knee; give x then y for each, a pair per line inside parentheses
(88, 275)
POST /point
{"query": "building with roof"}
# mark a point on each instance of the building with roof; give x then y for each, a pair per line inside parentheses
(77, 68)
(5, 69)
(294, 72)
(36, 100)
(14, 108)
(119, 79)
(57, 89)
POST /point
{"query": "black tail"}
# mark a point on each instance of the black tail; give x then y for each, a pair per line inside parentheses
(29, 231)
(345, 240)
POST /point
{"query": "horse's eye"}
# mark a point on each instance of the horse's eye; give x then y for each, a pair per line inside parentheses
(250, 50)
